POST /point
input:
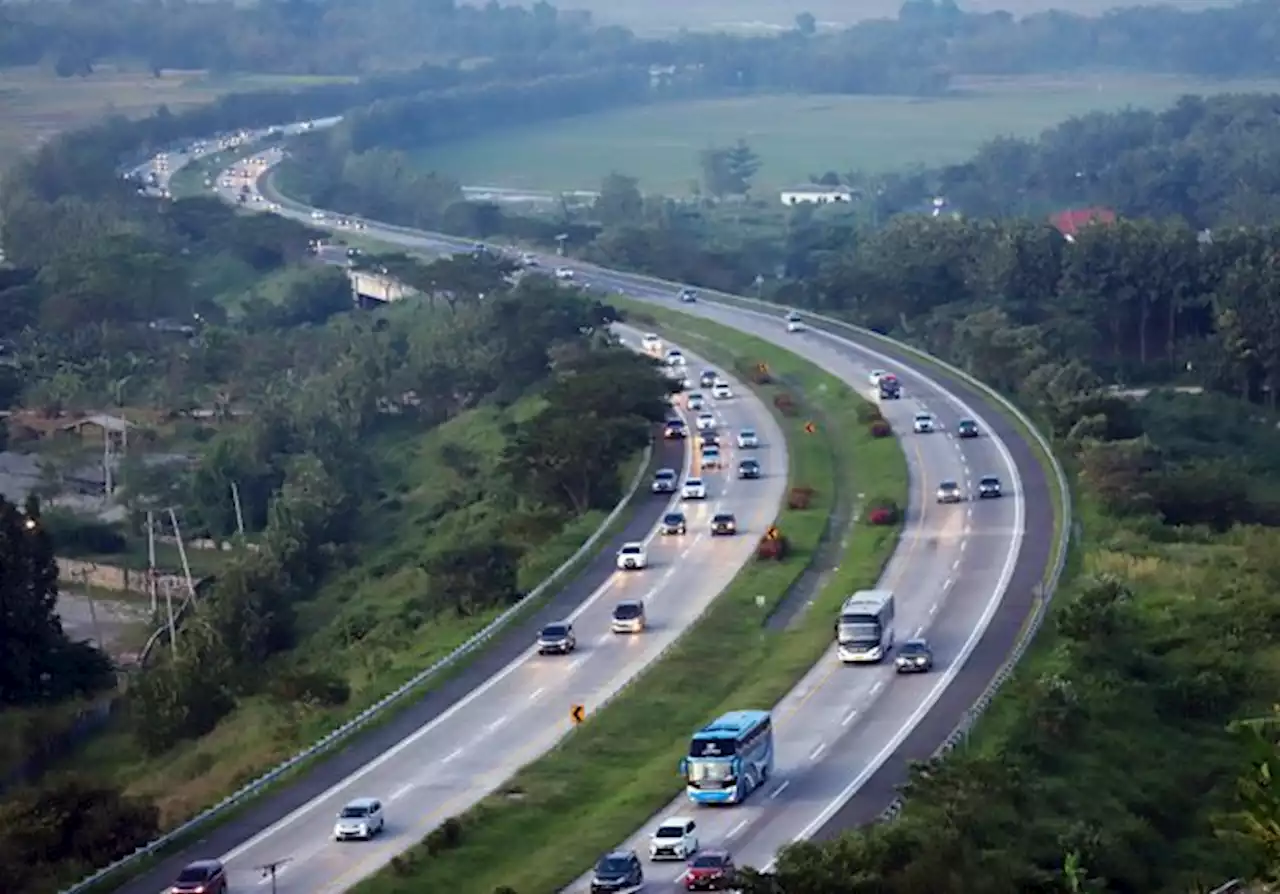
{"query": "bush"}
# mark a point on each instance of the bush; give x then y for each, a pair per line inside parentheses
(881, 429)
(76, 535)
(883, 511)
(445, 837)
(786, 404)
(869, 412)
(800, 497)
(773, 549)
(318, 688)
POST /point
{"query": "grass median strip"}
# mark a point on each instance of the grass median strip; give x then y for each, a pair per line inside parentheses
(556, 816)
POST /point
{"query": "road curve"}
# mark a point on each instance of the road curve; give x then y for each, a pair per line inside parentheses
(460, 742)
(966, 577)
(838, 730)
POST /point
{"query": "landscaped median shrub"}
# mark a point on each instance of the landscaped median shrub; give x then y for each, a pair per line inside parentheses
(773, 549)
(881, 429)
(799, 498)
(883, 511)
(618, 768)
(786, 404)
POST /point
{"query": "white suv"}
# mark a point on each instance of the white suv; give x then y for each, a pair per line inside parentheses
(694, 489)
(676, 838)
(721, 391)
(362, 818)
(923, 423)
(748, 439)
(632, 557)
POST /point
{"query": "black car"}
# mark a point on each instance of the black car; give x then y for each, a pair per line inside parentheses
(748, 468)
(967, 428)
(674, 523)
(557, 639)
(618, 871)
(675, 430)
(707, 378)
(914, 657)
(989, 487)
(724, 524)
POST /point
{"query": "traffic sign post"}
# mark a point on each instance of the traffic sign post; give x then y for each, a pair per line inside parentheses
(810, 428)
(577, 714)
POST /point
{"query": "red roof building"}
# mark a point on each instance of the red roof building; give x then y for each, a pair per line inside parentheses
(1071, 221)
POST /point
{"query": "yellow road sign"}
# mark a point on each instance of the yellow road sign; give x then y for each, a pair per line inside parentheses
(578, 713)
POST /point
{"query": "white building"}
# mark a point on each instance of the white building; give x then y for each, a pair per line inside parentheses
(815, 194)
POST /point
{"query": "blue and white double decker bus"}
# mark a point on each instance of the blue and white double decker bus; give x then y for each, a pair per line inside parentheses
(729, 758)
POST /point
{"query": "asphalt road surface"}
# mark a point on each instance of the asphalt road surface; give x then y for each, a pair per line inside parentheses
(964, 577)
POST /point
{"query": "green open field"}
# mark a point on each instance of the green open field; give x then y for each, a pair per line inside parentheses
(796, 136)
(35, 105)
(772, 15)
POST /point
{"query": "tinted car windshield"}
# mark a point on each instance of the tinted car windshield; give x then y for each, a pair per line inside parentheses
(554, 630)
(948, 485)
(673, 518)
(627, 610)
(613, 865)
(665, 474)
(671, 832)
(748, 464)
(354, 812)
(708, 861)
(748, 432)
(194, 874)
(723, 519)
(914, 649)
(990, 480)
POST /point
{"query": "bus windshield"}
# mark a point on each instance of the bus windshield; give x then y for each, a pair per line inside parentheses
(858, 629)
(710, 771)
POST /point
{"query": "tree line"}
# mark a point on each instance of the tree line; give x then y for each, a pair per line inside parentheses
(917, 53)
(1208, 160)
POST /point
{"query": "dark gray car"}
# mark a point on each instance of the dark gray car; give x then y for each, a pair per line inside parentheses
(557, 639)
(989, 487)
(914, 657)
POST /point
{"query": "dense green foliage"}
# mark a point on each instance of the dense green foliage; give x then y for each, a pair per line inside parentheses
(931, 40)
(38, 662)
(1210, 161)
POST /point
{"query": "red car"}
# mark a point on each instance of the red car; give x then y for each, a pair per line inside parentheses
(201, 877)
(710, 870)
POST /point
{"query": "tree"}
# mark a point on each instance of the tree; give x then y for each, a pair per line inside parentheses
(728, 170)
(475, 575)
(806, 24)
(620, 201)
(38, 662)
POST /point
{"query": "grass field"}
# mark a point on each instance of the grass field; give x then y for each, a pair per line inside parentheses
(35, 105)
(772, 15)
(618, 768)
(795, 136)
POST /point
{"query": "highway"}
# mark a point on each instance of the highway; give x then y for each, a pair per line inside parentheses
(465, 743)
(837, 731)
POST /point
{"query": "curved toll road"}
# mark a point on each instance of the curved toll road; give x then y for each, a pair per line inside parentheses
(839, 727)
(463, 740)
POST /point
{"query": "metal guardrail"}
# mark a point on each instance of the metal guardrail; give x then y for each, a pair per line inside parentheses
(251, 789)
(1044, 591)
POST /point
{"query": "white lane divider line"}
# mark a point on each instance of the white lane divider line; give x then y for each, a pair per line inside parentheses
(452, 755)
(603, 640)
(955, 564)
(964, 544)
(919, 631)
(497, 724)
(875, 690)
(850, 717)
(402, 791)
(575, 664)
(780, 789)
(933, 610)
(817, 752)
(736, 830)
(533, 696)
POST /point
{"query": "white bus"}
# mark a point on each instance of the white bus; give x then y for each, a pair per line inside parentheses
(864, 630)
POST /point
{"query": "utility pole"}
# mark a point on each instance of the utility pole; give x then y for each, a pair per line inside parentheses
(151, 562)
(235, 499)
(269, 870)
(87, 584)
(182, 553)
